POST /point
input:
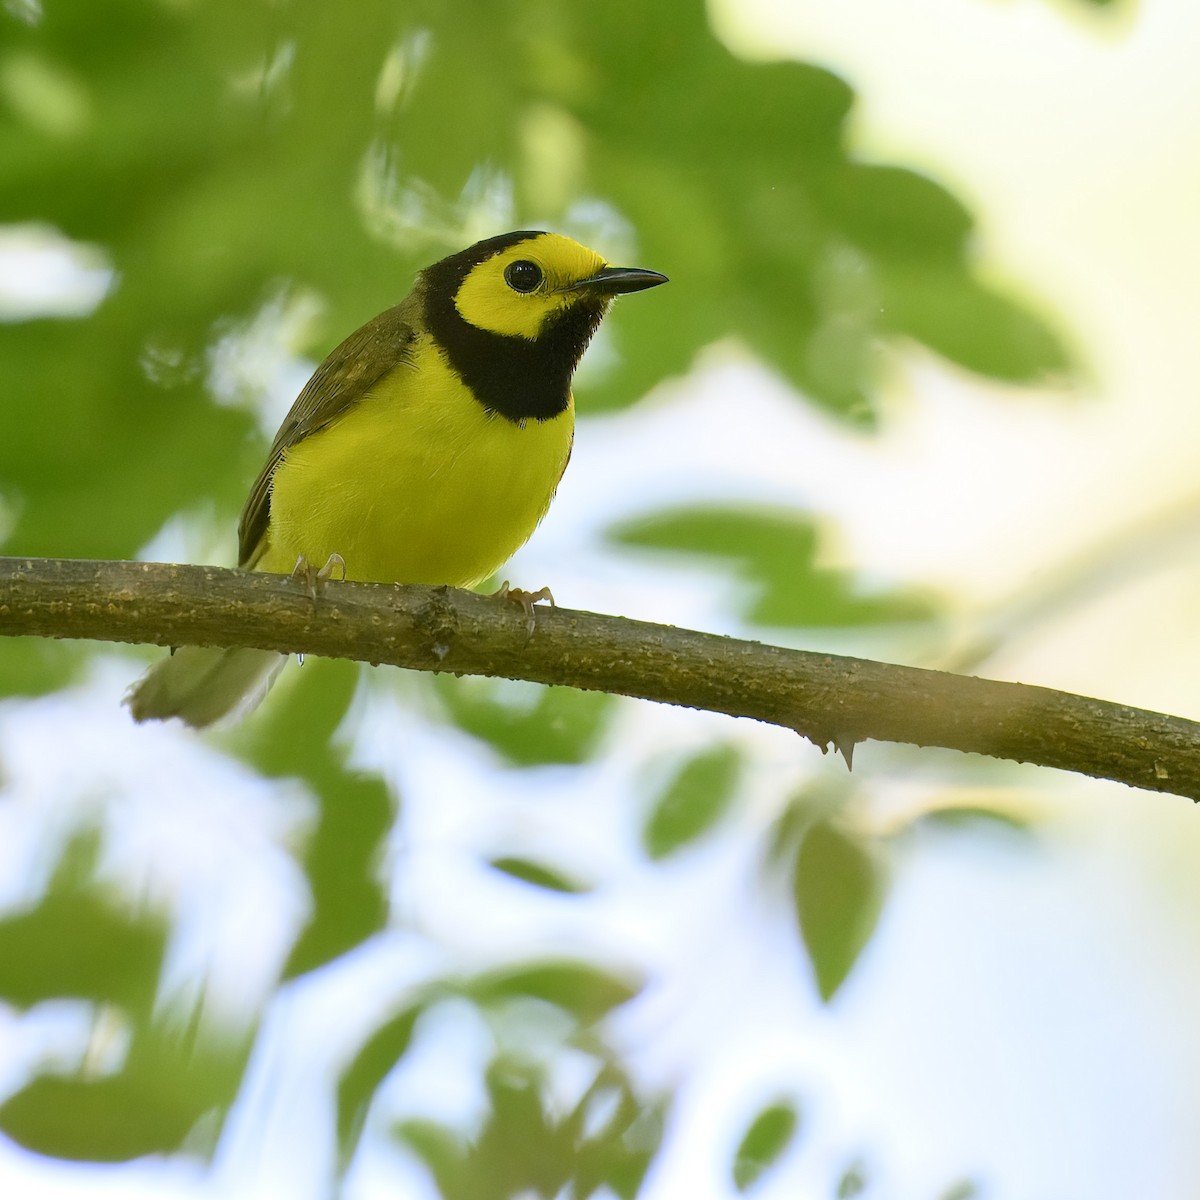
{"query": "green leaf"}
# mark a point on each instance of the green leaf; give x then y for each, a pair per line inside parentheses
(853, 1182)
(361, 1079)
(521, 1142)
(839, 885)
(524, 1148)
(579, 988)
(440, 1149)
(694, 800)
(973, 325)
(82, 940)
(167, 1087)
(978, 817)
(538, 875)
(776, 553)
(769, 1135)
(619, 1154)
(894, 214)
(528, 724)
(32, 666)
(293, 735)
(964, 1189)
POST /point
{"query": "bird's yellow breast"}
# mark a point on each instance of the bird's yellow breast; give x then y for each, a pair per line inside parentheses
(417, 483)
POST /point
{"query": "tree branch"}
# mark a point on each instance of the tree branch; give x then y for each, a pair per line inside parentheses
(824, 697)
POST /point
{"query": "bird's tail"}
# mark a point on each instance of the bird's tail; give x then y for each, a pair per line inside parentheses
(202, 684)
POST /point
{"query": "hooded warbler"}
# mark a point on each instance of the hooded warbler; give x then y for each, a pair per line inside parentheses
(425, 449)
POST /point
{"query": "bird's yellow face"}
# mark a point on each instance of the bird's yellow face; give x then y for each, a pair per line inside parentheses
(515, 291)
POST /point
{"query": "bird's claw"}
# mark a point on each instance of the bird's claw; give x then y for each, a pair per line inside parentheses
(314, 579)
(526, 600)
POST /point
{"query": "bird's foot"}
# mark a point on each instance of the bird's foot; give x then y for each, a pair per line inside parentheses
(526, 600)
(315, 580)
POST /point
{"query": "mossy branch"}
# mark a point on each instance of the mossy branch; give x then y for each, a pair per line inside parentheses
(826, 698)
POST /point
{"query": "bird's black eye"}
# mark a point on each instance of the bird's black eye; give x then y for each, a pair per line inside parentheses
(522, 276)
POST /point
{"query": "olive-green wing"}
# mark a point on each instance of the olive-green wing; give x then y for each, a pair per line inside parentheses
(349, 372)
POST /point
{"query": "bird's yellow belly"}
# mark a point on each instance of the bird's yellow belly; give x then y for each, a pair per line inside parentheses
(416, 483)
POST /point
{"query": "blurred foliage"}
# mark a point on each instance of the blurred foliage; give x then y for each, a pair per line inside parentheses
(977, 816)
(776, 555)
(537, 874)
(587, 992)
(32, 666)
(182, 141)
(343, 857)
(839, 882)
(171, 1092)
(769, 1135)
(964, 1189)
(853, 1182)
(606, 1139)
(694, 800)
(83, 942)
(224, 155)
(524, 1148)
(524, 723)
(361, 1079)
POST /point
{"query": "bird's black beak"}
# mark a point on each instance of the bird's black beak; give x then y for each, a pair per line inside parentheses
(614, 281)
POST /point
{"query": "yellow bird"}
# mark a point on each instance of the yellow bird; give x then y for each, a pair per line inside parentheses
(425, 449)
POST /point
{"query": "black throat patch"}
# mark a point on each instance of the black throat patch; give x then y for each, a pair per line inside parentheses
(515, 378)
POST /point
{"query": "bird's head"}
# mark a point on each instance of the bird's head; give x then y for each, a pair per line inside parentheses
(515, 313)
(519, 284)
